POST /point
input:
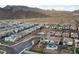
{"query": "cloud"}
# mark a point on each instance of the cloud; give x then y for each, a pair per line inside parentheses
(60, 7)
(45, 4)
(39, 2)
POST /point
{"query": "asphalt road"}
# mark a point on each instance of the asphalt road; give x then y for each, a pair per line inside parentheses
(19, 47)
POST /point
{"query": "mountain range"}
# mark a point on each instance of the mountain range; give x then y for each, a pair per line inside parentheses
(23, 12)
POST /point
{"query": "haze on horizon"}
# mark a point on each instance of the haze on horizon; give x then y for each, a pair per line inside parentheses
(67, 5)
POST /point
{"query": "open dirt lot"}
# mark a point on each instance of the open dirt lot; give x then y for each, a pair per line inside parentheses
(49, 20)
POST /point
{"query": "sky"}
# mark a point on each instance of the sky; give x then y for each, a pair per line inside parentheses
(68, 5)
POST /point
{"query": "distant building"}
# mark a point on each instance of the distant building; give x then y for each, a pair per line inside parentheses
(75, 35)
(69, 41)
(73, 27)
(65, 34)
(10, 39)
(57, 33)
(56, 40)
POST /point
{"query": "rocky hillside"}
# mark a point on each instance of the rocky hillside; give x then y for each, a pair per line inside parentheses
(23, 12)
(20, 12)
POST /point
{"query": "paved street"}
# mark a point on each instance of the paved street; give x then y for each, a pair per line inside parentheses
(19, 47)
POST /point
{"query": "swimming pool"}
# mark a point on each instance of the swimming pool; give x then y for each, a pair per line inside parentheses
(51, 46)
